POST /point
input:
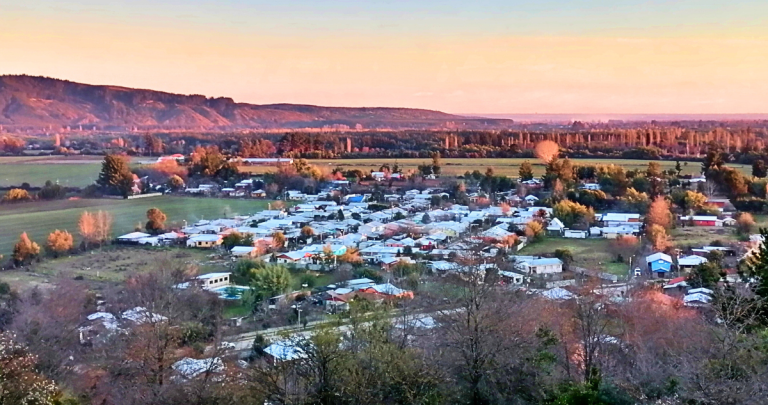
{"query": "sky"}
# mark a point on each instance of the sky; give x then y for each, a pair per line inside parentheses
(467, 57)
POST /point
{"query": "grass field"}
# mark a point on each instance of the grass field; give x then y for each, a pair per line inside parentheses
(593, 254)
(508, 167)
(80, 171)
(40, 218)
(73, 171)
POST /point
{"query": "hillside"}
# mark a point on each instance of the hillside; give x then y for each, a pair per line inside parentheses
(28, 101)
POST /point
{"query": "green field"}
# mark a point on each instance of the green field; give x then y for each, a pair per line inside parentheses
(80, 171)
(40, 218)
(593, 254)
(508, 167)
(73, 171)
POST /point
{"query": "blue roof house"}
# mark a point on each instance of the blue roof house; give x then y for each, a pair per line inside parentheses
(659, 263)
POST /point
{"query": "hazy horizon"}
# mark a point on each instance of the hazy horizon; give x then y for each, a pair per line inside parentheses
(487, 57)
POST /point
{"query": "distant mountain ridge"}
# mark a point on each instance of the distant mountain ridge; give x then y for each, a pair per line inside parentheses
(31, 101)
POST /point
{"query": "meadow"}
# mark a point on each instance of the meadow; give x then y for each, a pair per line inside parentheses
(39, 218)
(80, 171)
(73, 171)
(502, 166)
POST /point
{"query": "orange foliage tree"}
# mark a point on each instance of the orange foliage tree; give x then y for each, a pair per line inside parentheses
(546, 151)
(25, 249)
(659, 214)
(59, 242)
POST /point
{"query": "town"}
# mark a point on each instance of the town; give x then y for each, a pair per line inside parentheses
(425, 262)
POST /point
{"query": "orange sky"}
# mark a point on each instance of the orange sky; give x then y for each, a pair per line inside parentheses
(697, 70)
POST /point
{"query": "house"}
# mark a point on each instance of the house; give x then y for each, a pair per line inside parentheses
(297, 257)
(132, 238)
(244, 251)
(555, 227)
(259, 194)
(378, 176)
(538, 265)
(613, 219)
(590, 186)
(386, 291)
(211, 281)
(698, 297)
(718, 202)
(659, 263)
(574, 234)
(387, 263)
(190, 368)
(687, 263)
(204, 241)
(531, 199)
(282, 351)
(558, 294)
(511, 277)
(676, 287)
(702, 220)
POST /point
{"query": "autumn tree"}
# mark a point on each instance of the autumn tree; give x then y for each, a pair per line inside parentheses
(351, 256)
(175, 182)
(693, 201)
(116, 177)
(572, 213)
(59, 242)
(307, 231)
(745, 223)
(278, 240)
(534, 231)
(635, 201)
(659, 213)
(235, 238)
(15, 195)
(24, 250)
(103, 226)
(625, 246)
(156, 221)
(87, 227)
(658, 237)
(547, 151)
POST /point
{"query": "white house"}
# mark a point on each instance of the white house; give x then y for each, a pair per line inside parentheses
(532, 265)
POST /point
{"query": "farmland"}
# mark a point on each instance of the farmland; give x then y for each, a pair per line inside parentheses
(80, 171)
(508, 167)
(39, 218)
(74, 171)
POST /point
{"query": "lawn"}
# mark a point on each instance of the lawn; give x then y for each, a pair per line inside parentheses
(508, 166)
(592, 254)
(40, 218)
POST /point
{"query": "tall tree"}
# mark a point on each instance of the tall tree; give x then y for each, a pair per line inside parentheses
(526, 171)
(659, 213)
(116, 176)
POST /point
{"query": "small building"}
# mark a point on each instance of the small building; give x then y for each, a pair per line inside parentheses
(297, 257)
(511, 277)
(540, 265)
(687, 263)
(244, 251)
(575, 234)
(132, 238)
(205, 241)
(702, 220)
(555, 227)
(659, 263)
